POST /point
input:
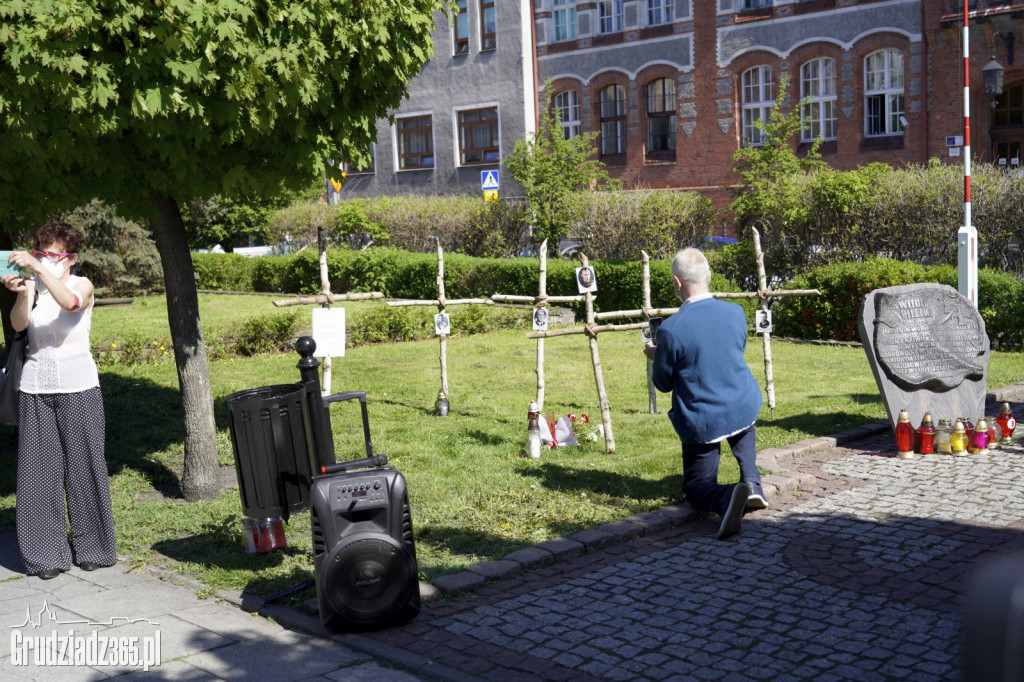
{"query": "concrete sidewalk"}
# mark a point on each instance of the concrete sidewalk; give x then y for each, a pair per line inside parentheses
(856, 571)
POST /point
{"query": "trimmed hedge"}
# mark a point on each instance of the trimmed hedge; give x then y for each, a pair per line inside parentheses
(401, 274)
(843, 287)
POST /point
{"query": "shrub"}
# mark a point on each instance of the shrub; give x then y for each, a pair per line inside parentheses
(265, 333)
(223, 271)
(120, 258)
(834, 314)
(400, 274)
(907, 214)
(620, 224)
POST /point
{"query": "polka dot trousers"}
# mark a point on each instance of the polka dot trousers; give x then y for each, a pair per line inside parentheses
(60, 460)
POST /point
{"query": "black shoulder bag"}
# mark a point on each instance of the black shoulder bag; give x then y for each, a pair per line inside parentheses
(10, 378)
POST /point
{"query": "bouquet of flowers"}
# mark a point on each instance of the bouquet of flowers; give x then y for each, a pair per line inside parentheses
(581, 427)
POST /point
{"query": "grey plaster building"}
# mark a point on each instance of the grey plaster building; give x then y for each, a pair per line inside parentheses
(465, 111)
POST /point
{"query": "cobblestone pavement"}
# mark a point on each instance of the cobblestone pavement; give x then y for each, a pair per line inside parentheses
(859, 574)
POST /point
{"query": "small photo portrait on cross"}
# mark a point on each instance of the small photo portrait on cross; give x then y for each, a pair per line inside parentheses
(442, 324)
(540, 320)
(585, 279)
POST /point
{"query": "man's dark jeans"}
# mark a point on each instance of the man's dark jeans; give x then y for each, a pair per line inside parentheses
(700, 471)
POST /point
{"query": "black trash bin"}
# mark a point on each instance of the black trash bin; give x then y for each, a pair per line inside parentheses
(273, 446)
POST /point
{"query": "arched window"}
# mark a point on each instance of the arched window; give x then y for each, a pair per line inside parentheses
(613, 120)
(818, 89)
(758, 92)
(883, 93)
(661, 118)
(568, 106)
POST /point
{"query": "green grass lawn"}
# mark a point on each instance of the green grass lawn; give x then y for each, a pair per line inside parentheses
(474, 493)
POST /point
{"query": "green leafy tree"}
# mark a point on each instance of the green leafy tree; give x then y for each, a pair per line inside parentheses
(121, 258)
(551, 168)
(146, 105)
(230, 221)
(767, 169)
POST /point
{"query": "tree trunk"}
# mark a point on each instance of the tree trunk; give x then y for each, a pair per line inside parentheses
(198, 479)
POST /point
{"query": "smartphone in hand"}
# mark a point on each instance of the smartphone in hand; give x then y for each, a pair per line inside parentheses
(6, 269)
(651, 333)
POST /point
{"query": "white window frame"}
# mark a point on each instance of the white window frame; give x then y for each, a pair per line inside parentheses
(567, 103)
(458, 139)
(565, 20)
(757, 89)
(883, 93)
(818, 87)
(610, 14)
(660, 12)
(396, 131)
(755, 4)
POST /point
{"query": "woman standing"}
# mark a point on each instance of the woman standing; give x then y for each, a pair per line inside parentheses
(61, 422)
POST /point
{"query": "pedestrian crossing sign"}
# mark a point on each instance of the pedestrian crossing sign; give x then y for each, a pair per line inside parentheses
(489, 180)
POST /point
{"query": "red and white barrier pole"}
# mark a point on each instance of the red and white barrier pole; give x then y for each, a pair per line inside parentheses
(967, 236)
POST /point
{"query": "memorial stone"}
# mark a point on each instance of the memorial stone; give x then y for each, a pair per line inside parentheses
(928, 350)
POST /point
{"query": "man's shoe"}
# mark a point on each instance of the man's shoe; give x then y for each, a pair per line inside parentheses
(733, 518)
(756, 501)
(89, 566)
(49, 573)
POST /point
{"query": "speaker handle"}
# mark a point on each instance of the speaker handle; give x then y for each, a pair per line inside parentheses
(354, 395)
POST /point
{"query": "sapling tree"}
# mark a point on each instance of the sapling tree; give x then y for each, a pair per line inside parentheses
(551, 167)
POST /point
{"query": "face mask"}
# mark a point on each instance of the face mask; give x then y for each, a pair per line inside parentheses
(55, 269)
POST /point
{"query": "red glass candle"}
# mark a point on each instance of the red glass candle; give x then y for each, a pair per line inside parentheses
(904, 436)
(1006, 423)
(926, 435)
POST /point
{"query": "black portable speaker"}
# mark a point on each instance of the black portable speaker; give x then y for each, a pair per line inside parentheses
(364, 554)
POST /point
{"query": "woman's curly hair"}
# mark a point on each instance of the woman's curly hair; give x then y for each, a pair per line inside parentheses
(56, 231)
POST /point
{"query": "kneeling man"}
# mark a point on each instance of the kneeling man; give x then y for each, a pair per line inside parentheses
(698, 355)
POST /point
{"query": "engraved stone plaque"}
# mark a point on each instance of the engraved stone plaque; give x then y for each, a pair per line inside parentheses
(928, 350)
(929, 338)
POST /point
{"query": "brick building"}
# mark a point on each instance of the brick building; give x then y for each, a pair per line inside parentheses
(673, 86)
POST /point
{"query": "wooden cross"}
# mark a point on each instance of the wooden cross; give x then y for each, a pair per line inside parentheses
(763, 293)
(539, 301)
(325, 298)
(592, 330)
(441, 302)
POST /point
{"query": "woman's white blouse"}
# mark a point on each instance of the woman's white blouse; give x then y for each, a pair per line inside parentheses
(59, 357)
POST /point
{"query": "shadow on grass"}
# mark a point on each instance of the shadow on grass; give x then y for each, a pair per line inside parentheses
(557, 477)
(817, 424)
(218, 550)
(141, 418)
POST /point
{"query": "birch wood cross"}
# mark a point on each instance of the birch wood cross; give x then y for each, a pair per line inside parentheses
(763, 293)
(442, 303)
(539, 301)
(592, 330)
(325, 298)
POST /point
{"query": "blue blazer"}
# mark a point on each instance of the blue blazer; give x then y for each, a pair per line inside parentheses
(699, 357)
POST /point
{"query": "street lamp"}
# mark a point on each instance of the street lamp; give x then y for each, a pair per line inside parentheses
(992, 75)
